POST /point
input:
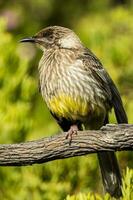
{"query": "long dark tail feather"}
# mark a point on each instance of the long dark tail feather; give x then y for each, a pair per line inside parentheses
(118, 105)
(110, 172)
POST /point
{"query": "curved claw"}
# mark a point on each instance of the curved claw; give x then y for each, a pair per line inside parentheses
(72, 131)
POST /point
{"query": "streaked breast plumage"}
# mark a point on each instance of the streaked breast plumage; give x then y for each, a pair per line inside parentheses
(69, 90)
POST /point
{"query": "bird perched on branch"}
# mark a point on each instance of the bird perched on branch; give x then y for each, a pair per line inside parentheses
(78, 92)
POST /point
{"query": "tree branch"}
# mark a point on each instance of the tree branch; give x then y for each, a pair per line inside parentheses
(108, 138)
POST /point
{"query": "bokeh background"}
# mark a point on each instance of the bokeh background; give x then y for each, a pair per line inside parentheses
(106, 27)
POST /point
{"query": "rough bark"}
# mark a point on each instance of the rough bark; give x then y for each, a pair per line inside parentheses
(108, 138)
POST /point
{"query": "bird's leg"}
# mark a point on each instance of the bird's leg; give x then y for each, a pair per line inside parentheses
(73, 130)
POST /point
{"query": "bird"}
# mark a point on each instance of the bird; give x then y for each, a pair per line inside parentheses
(79, 92)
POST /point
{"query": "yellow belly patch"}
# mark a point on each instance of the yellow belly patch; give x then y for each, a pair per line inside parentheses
(68, 107)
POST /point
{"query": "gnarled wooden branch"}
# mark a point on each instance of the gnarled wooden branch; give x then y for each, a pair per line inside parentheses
(108, 138)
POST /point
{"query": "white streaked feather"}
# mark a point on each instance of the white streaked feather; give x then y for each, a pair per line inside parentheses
(67, 75)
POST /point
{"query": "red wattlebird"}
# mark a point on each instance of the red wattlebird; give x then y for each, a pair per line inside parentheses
(78, 92)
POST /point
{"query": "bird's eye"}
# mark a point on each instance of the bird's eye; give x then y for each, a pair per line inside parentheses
(48, 34)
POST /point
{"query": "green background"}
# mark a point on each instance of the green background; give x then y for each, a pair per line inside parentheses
(106, 27)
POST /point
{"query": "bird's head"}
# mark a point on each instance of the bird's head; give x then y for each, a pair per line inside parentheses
(55, 36)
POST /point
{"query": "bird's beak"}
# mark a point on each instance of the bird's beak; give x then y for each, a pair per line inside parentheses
(31, 39)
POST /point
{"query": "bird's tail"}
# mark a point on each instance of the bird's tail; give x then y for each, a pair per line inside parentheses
(110, 173)
(108, 162)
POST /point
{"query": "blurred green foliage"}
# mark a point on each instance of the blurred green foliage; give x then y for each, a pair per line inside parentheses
(127, 190)
(106, 28)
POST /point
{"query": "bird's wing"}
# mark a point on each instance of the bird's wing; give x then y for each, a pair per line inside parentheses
(105, 82)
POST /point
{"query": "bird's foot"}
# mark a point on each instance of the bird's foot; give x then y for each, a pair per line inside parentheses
(72, 131)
